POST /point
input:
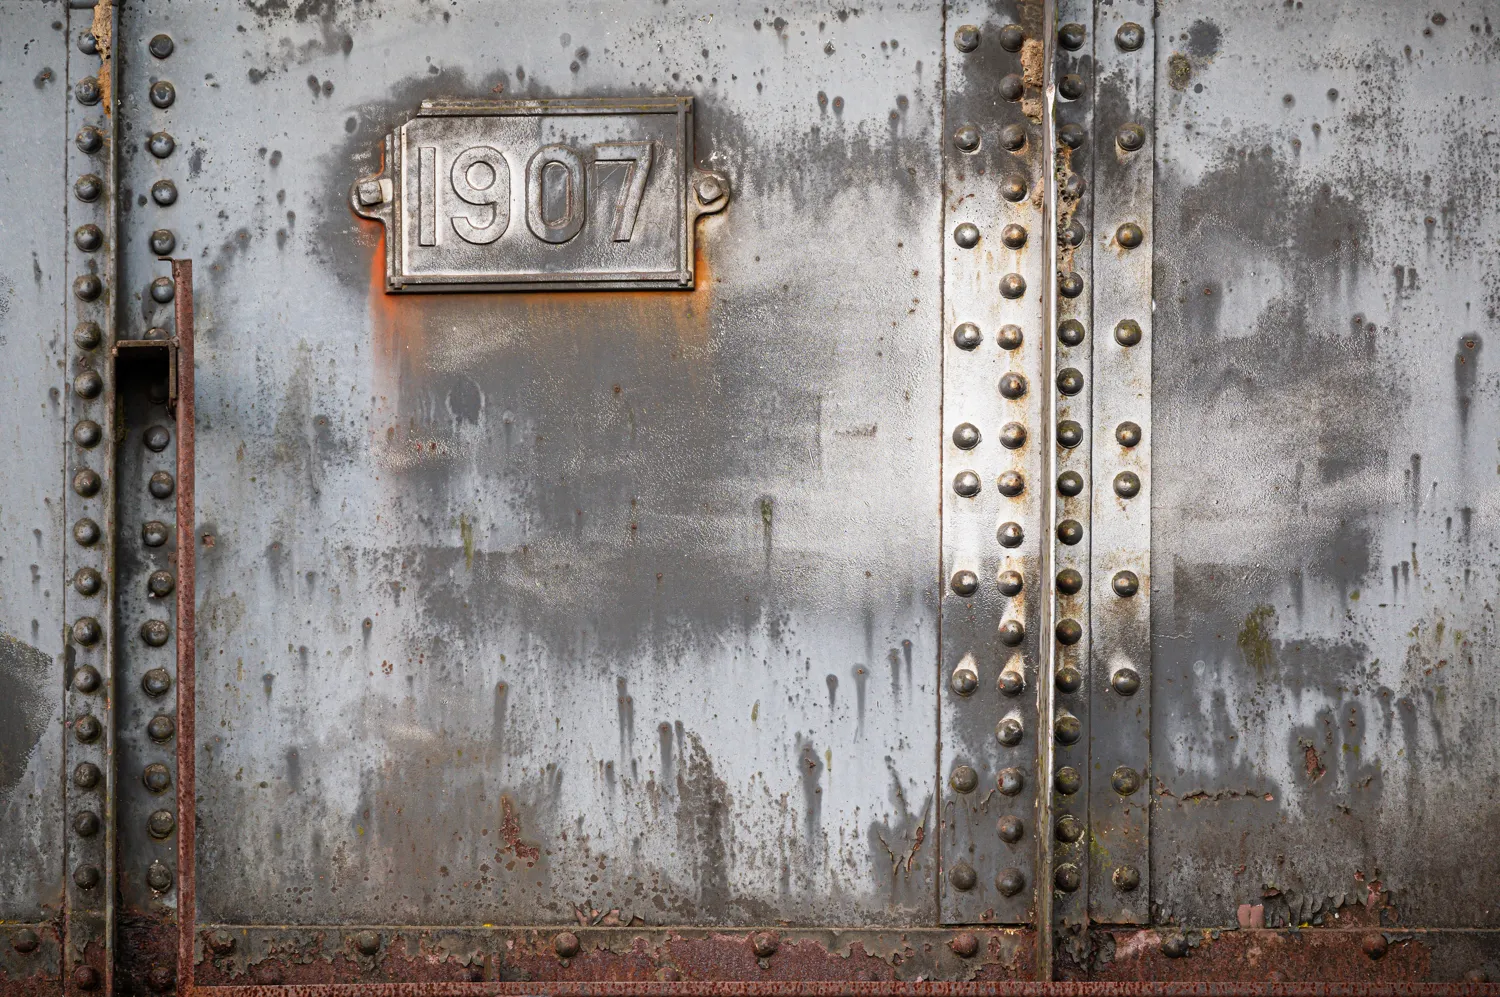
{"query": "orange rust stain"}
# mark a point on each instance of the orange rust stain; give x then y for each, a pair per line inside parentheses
(510, 830)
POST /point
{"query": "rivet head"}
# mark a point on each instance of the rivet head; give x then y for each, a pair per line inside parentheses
(1069, 829)
(156, 682)
(89, 139)
(1174, 946)
(86, 978)
(366, 942)
(1125, 681)
(1131, 137)
(1009, 337)
(160, 144)
(88, 384)
(967, 336)
(1071, 36)
(156, 438)
(87, 335)
(1129, 235)
(1013, 236)
(1012, 385)
(1010, 828)
(1013, 188)
(1073, 186)
(163, 94)
(1071, 233)
(763, 943)
(161, 824)
(86, 775)
(966, 484)
(1069, 581)
(1010, 583)
(1127, 484)
(88, 287)
(1010, 483)
(160, 46)
(1011, 87)
(1010, 881)
(159, 878)
(964, 582)
(1067, 780)
(1070, 332)
(962, 877)
(87, 631)
(1130, 36)
(1010, 534)
(966, 235)
(964, 779)
(1012, 435)
(87, 433)
(163, 242)
(1068, 679)
(1070, 483)
(1070, 135)
(1069, 285)
(86, 877)
(1012, 286)
(1067, 877)
(1011, 682)
(1067, 728)
(1069, 632)
(1126, 878)
(1012, 632)
(154, 533)
(966, 436)
(1125, 780)
(1070, 380)
(1070, 531)
(220, 942)
(86, 679)
(156, 777)
(1010, 781)
(1070, 87)
(88, 237)
(1125, 584)
(1009, 732)
(966, 38)
(87, 43)
(87, 482)
(1374, 944)
(966, 138)
(1013, 137)
(964, 681)
(163, 290)
(164, 193)
(86, 824)
(86, 532)
(87, 91)
(1128, 332)
(25, 940)
(1069, 433)
(709, 188)
(1128, 434)
(964, 944)
(161, 485)
(87, 728)
(161, 728)
(88, 187)
(160, 978)
(1012, 37)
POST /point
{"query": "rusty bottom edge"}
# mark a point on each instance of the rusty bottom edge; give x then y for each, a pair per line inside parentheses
(725, 988)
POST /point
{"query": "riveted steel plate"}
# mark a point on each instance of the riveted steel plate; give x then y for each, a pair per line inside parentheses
(528, 194)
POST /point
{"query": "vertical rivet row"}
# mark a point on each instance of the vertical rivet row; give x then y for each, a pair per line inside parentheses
(992, 479)
(1120, 676)
(89, 487)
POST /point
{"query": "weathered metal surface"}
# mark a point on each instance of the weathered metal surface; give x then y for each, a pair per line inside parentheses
(187, 609)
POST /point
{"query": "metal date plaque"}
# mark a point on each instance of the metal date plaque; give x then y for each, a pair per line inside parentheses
(520, 195)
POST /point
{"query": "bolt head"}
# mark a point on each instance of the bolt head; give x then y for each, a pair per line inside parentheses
(709, 190)
(1069, 285)
(1070, 483)
(966, 38)
(1013, 188)
(1070, 380)
(88, 187)
(1070, 531)
(1069, 632)
(87, 482)
(87, 43)
(1128, 434)
(161, 485)
(963, 877)
(156, 633)
(1129, 235)
(1070, 87)
(964, 944)
(160, 584)
(1012, 37)
(1071, 135)
(764, 944)
(163, 290)
(1131, 137)
(90, 139)
(87, 631)
(1069, 581)
(1070, 332)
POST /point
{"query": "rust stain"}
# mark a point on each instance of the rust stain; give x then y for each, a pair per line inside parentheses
(103, 32)
(510, 830)
(1312, 763)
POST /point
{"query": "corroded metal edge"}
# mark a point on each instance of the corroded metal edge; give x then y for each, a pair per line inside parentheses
(187, 538)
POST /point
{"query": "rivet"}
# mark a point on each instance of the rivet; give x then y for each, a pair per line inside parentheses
(1013, 236)
(966, 138)
(86, 877)
(161, 978)
(161, 485)
(87, 728)
(1128, 434)
(156, 682)
(1067, 877)
(1127, 484)
(964, 681)
(1013, 138)
(163, 290)
(156, 438)
(86, 679)
(89, 139)
(1012, 385)
(161, 728)
(1011, 682)
(966, 436)
(1070, 531)
(1073, 186)
(86, 775)
(1011, 87)
(1069, 285)
(1174, 946)
(87, 433)
(1071, 233)
(1125, 681)
(1010, 534)
(1125, 584)
(1070, 87)
(86, 978)
(156, 633)
(1012, 632)
(1067, 780)
(1009, 337)
(1125, 780)
(88, 287)
(1070, 135)
(1010, 781)
(1131, 137)
(164, 193)
(156, 777)
(1012, 285)
(157, 332)
(1070, 483)
(1012, 435)
(1067, 728)
(1374, 944)
(87, 631)
(86, 532)
(1010, 583)
(163, 242)
(1009, 732)
(1068, 679)
(966, 38)
(1071, 36)
(1013, 188)
(88, 238)
(87, 91)
(1010, 828)
(220, 942)
(966, 484)
(1070, 380)
(88, 187)
(709, 188)
(964, 583)
(154, 533)
(964, 944)
(1127, 878)
(1069, 632)
(1130, 36)
(962, 877)
(160, 46)
(1010, 484)
(1012, 37)
(967, 336)
(1069, 581)
(87, 482)
(86, 824)
(966, 235)
(161, 824)
(1069, 829)
(1010, 881)
(1129, 235)
(1069, 433)
(1070, 332)
(87, 43)
(88, 384)
(964, 779)
(87, 335)
(25, 941)
(163, 93)
(1128, 332)
(160, 144)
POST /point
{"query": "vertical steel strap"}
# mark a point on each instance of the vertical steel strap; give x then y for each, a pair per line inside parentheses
(187, 566)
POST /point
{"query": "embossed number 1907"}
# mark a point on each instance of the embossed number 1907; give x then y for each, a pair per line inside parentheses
(480, 176)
